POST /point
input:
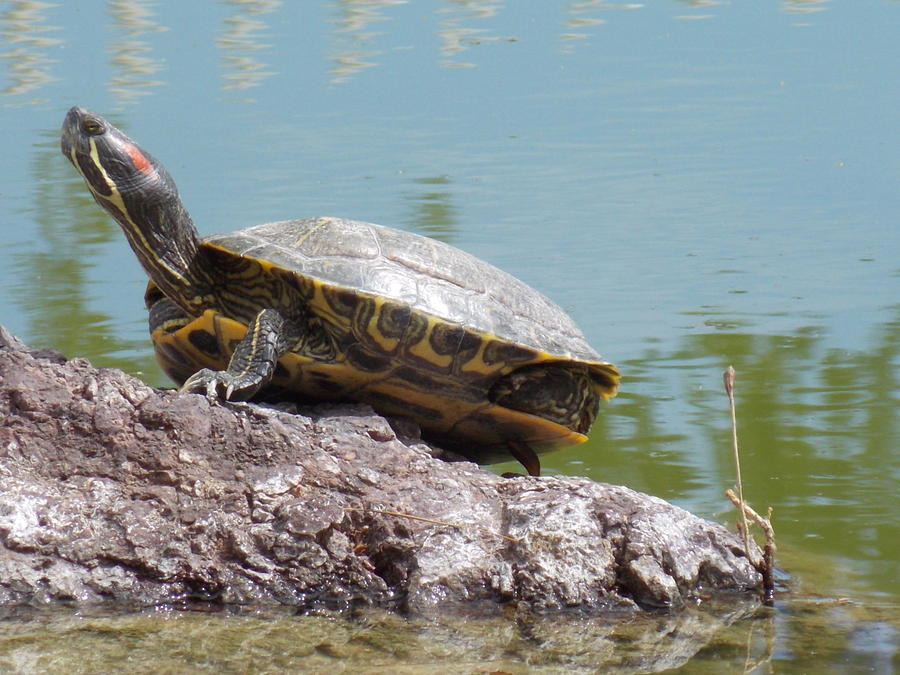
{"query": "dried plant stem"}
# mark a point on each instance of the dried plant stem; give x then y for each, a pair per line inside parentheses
(766, 565)
(764, 562)
(728, 379)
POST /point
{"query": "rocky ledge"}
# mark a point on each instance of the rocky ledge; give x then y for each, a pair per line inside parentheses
(111, 490)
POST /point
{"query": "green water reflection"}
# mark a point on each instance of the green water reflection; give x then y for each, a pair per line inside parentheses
(242, 41)
(136, 70)
(27, 42)
(817, 425)
(52, 287)
(808, 636)
(432, 212)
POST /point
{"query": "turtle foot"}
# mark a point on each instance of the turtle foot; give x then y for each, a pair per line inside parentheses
(221, 385)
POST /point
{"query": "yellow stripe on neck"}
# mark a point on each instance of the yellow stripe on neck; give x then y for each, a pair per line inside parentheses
(133, 231)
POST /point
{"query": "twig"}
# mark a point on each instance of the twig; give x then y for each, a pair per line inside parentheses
(765, 565)
(728, 379)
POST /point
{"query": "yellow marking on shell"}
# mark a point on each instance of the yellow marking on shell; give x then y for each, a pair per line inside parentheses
(485, 423)
(424, 350)
(170, 326)
(506, 424)
(323, 309)
(317, 303)
(490, 424)
(134, 232)
(450, 410)
(195, 359)
(340, 375)
(199, 301)
(478, 365)
(388, 345)
(607, 392)
(306, 235)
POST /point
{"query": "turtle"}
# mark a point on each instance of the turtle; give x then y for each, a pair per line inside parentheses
(328, 309)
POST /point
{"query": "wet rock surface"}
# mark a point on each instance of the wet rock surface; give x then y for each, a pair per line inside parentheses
(111, 490)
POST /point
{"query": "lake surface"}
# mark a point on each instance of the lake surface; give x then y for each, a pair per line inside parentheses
(698, 183)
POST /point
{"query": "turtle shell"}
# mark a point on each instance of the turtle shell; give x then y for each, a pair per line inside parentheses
(408, 324)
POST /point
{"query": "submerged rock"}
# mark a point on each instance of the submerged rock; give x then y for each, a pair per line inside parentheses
(113, 490)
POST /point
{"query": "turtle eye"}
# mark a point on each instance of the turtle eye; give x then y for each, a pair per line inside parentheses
(92, 127)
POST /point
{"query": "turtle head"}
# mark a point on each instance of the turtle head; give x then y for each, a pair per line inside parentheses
(117, 170)
(137, 191)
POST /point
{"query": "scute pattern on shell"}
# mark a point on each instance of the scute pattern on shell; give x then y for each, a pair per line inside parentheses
(429, 275)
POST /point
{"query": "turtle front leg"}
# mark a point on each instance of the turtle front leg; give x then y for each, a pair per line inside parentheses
(269, 337)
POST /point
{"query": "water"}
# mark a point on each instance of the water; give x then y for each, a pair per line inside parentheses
(698, 183)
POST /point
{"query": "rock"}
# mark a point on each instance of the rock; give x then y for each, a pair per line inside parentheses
(113, 490)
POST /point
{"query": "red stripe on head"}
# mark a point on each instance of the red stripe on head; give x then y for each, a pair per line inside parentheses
(139, 159)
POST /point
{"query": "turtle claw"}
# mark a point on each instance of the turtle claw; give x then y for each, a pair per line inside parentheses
(208, 381)
(212, 390)
(220, 385)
